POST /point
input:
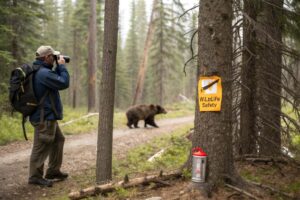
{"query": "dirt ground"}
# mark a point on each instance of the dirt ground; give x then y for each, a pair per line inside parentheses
(80, 156)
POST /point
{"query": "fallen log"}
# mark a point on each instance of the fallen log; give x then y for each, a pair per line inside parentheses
(266, 160)
(78, 119)
(242, 191)
(286, 195)
(110, 187)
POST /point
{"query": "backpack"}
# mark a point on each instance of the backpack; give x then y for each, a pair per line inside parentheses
(21, 92)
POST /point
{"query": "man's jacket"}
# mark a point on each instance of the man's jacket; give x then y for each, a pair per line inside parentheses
(53, 80)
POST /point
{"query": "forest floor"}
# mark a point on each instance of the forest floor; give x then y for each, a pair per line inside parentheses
(80, 156)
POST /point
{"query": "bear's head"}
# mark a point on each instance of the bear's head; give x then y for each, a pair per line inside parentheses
(160, 110)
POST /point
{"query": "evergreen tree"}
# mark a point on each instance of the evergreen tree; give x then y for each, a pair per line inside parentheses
(141, 26)
(105, 128)
(100, 27)
(19, 38)
(248, 114)
(52, 25)
(213, 130)
(166, 57)
(267, 74)
(92, 56)
(66, 41)
(79, 34)
(190, 79)
(122, 83)
(131, 51)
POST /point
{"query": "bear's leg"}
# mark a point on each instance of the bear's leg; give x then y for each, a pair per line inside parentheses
(146, 122)
(151, 122)
(129, 123)
(135, 123)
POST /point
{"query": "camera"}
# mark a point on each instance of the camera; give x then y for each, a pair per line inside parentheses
(66, 58)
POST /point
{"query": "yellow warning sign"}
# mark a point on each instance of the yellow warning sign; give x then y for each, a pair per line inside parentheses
(210, 93)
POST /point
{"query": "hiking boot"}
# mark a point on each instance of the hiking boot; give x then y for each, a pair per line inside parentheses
(57, 175)
(40, 182)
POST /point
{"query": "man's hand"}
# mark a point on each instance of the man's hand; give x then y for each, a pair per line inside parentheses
(61, 60)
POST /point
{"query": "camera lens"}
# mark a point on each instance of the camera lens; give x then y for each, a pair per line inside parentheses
(67, 59)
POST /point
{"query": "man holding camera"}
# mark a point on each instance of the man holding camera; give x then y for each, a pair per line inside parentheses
(48, 138)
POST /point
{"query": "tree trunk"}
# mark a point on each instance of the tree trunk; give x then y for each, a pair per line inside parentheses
(213, 130)
(248, 132)
(143, 63)
(75, 71)
(269, 77)
(92, 60)
(14, 42)
(105, 128)
(161, 70)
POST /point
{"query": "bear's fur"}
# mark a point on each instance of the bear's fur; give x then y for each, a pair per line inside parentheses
(143, 112)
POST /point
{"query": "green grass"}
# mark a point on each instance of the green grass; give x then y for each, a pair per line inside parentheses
(11, 129)
(249, 175)
(176, 148)
(293, 187)
(11, 126)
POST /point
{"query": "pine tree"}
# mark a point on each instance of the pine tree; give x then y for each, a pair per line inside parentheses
(52, 25)
(105, 128)
(19, 38)
(166, 57)
(122, 83)
(131, 51)
(79, 35)
(92, 56)
(66, 41)
(141, 26)
(213, 130)
(191, 67)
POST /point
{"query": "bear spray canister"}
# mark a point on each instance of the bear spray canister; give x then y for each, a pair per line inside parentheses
(199, 164)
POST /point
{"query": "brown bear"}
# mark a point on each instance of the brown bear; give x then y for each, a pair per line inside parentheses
(143, 112)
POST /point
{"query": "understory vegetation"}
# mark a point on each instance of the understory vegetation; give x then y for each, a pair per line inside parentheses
(174, 150)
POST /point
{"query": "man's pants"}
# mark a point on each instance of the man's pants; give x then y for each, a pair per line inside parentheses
(48, 141)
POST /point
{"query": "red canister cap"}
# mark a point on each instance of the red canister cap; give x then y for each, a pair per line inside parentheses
(197, 151)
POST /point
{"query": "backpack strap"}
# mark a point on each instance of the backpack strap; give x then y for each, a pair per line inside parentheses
(24, 119)
(23, 126)
(41, 115)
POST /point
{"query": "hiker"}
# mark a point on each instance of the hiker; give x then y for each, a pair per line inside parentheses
(48, 138)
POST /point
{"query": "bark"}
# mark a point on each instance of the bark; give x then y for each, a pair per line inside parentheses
(143, 63)
(269, 77)
(92, 60)
(248, 131)
(161, 71)
(75, 77)
(14, 42)
(213, 130)
(107, 88)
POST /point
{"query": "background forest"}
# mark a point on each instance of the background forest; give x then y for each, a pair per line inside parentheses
(253, 45)
(66, 25)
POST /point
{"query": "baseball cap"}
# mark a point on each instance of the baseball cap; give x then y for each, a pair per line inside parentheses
(45, 51)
